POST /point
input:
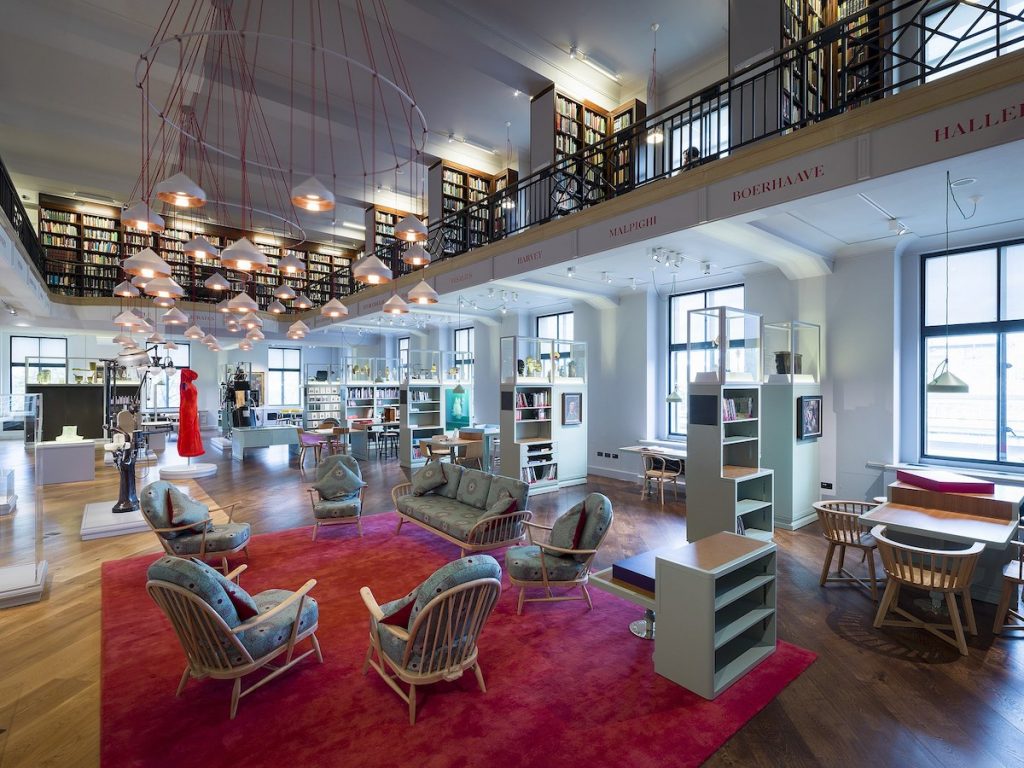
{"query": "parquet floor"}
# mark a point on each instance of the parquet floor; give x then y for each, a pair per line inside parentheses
(892, 698)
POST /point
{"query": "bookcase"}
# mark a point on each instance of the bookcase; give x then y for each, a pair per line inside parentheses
(359, 403)
(380, 226)
(531, 454)
(861, 56)
(716, 606)
(452, 188)
(323, 395)
(83, 245)
(803, 87)
(561, 126)
(623, 118)
(422, 417)
(504, 208)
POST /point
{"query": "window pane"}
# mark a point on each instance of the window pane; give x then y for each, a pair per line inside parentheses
(1013, 283)
(547, 327)
(726, 297)
(22, 347)
(274, 358)
(963, 425)
(957, 34)
(274, 388)
(17, 379)
(566, 326)
(677, 378)
(680, 306)
(291, 388)
(53, 348)
(1015, 397)
(972, 288)
(291, 358)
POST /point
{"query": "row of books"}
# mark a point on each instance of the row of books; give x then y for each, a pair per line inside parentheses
(539, 399)
(734, 408)
(542, 474)
(60, 229)
(99, 221)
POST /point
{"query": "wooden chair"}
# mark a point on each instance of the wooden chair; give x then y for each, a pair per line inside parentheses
(337, 511)
(439, 642)
(1013, 578)
(660, 469)
(214, 648)
(948, 572)
(329, 440)
(435, 453)
(472, 454)
(307, 441)
(841, 527)
(559, 564)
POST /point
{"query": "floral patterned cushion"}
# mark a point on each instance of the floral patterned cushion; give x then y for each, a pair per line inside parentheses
(564, 530)
(334, 508)
(220, 538)
(165, 506)
(203, 581)
(453, 474)
(338, 477)
(507, 486)
(474, 487)
(584, 525)
(267, 636)
(429, 477)
(447, 515)
(523, 563)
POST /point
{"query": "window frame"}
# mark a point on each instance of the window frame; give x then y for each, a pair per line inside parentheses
(558, 324)
(162, 350)
(282, 371)
(11, 365)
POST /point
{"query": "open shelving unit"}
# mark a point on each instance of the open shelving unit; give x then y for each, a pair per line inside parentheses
(716, 608)
(452, 188)
(323, 395)
(422, 417)
(803, 88)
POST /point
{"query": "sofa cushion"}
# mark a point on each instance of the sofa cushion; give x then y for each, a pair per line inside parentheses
(329, 509)
(336, 478)
(584, 525)
(504, 505)
(473, 488)
(517, 489)
(523, 563)
(564, 531)
(183, 510)
(397, 612)
(453, 475)
(429, 477)
(200, 580)
(446, 515)
(265, 637)
(220, 538)
(160, 501)
(453, 574)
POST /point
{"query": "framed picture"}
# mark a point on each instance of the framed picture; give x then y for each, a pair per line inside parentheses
(572, 408)
(808, 417)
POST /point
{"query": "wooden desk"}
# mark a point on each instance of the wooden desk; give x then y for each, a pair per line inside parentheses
(673, 454)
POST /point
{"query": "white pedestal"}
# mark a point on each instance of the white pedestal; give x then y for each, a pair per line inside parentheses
(7, 507)
(65, 462)
(221, 442)
(183, 471)
(21, 584)
(100, 522)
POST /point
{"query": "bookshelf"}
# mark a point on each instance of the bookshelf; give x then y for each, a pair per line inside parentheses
(422, 417)
(716, 606)
(504, 208)
(83, 245)
(531, 455)
(452, 188)
(802, 88)
(623, 118)
(323, 395)
(359, 403)
(861, 63)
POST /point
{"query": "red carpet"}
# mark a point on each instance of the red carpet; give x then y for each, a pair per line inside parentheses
(562, 683)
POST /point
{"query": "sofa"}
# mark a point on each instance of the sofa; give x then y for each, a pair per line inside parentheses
(475, 510)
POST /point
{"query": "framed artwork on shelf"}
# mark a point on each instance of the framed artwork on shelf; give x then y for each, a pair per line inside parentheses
(808, 417)
(572, 408)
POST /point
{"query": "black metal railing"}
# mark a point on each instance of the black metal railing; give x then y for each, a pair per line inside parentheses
(11, 205)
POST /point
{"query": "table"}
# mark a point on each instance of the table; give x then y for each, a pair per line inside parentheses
(359, 437)
(676, 454)
(65, 462)
(439, 441)
(261, 437)
(490, 433)
(333, 435)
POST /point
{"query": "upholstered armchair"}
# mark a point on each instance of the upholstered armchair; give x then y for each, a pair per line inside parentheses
(565, 560)
(337, 495)
(431, 633)
(186, 528)
(225, 632)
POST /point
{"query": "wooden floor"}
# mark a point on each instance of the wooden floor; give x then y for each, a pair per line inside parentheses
(873, 698)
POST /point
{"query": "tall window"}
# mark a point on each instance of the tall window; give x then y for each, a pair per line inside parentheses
(705, 131)
(678, 307)
(403, 353)
(464, 342)
(558, 326)
(985, 348)
(284, 376)
(164, 391)
(35, 355)
(960, 35)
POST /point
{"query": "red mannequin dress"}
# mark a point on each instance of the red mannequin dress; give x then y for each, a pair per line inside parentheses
(190, 442)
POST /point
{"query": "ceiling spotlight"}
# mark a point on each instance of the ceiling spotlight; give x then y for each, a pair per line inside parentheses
(515, 296)
(632, 283)
(897, 226)
(705, 268)
(656, 255)
(570, 271)
(504, 309)
(606, 277)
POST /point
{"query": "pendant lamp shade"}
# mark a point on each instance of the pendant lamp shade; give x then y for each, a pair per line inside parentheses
(255, 335)
(277, 307)
(155, 338)
(416, 256)
(170, 345)
(195, 332)
(298, 327)
(123, 339)
(312, 195)
(244, 256)
(508, 202)
(947, 383)
(143, 218)
(252, 320)
(146, 264)
(223, 306)
(242, 304)
(459, 389)
(411, 229)
(139, 282)
(674, 396)
(423, 294)
(290, 264)
(217, 282)
(302, 301)
(174, 316)
(164, 302)
(209, 339)
(371, 271)
(396, 306)
(284, 292)
(180, 191)
(126, 290)
(334, 308)
(128, 320)
(943, 381)
(656, 135)
(146, 327)
(200, 248)
(164, 287)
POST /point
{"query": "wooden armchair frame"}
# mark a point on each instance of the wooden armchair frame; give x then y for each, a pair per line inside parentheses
(490, 533)
(433, 453)
(1009, 617)
(357, 519)
(440, 659)
(545, 582)
(656, 470)
(841, 526)
(303, 447)
(208, 641)
(229, 510)
(932, 570)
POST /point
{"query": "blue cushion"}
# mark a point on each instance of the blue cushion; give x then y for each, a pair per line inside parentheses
(338, 477)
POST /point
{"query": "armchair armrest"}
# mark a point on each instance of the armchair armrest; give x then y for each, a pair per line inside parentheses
(538, 525)
(399, 632)
(403, 489)
(187, 526)
(229, 510)
(529, 529)
(563, 551)
(235, 574)
(294, 597)
(493, 530)
(371, 603)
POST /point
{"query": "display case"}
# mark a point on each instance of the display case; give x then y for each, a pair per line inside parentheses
(386, 370)
(358, 370)
(570, 366)
(23, 564)
(792, 352)
(457, 367)
(423, 367)
(73, 370)
(526, 360)
(324, 373)
(724, 346)
(21, 417)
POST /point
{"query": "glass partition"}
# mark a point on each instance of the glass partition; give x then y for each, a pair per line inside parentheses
(21, 418)
(324, 373)
(73, 370)
(386, 370)
(792, 351)
(724, 346)
(359, 370)
(423, 366)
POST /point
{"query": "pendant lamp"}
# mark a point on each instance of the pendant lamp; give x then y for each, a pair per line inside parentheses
(302, 301)
(290, 264)
(146, 264)
(223, 306)
(174, 316)
(284, 292)
(128, 320)
(155, 338)
(508, 201)
(416, 256)
(371, 271)
(423, 294)
(139, 282)
(396, 306)
(298, 327)
(123, 339)
(334, 308)
(277, 307)
(943, 380)
(242, 304)
(674, 396)
(143, 218)
(655, 135)
(194, 333)
(312, 195)
(244, 256)
(180, 191)
(411, 229)
(245, 346)
(126, 290)
(170, 345)
(200, 249)
(251, 320)
(217, 282)
(164, 302)
(164, 287)
(255, 335)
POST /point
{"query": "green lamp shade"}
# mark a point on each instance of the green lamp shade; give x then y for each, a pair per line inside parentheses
(946, 382)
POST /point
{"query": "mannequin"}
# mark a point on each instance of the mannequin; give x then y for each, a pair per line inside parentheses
(190, 441)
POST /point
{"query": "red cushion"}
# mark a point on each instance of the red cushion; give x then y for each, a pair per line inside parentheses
(243, 602)
(580, 524)
(400, 618)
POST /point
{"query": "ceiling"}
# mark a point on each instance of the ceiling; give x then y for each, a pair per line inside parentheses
(72, 123)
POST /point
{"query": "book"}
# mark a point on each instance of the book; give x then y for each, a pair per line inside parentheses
(943, 481)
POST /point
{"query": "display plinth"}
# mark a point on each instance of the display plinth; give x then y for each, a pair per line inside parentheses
(22, 584)
(222, 443)
(99, 521)
(65, 462)
(183, 471)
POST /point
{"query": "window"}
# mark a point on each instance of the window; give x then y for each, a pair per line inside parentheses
(403, 358)
(984, 346)
(707, 131)
(678, 307)
(464, 341)
(163, 391)
(45, 356)
(558, 326)
(961, 35)
(284, 376)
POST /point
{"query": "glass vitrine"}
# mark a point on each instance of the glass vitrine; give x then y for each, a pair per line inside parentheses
(526, 360)
(423, 367)
(324, 373)
(724, 346)
(792, 352)
(386, 370)
(570, 362)
(457, 367)
(358, 370)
